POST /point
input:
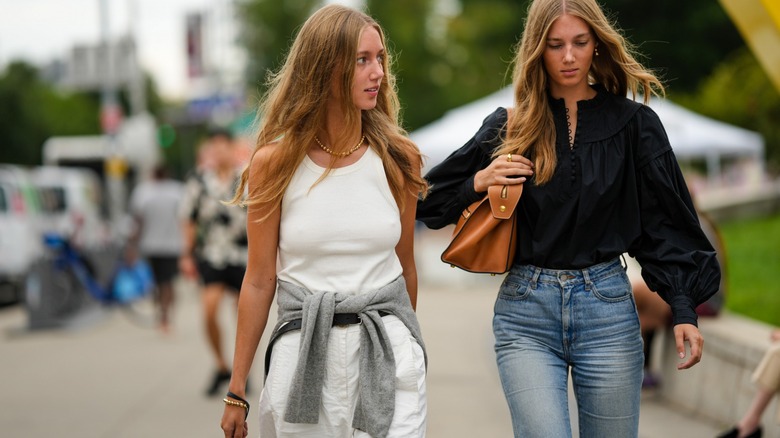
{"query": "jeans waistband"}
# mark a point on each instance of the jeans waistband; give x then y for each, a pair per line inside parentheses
(592, 273)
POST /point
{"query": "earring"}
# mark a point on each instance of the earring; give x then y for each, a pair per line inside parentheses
(596, 50)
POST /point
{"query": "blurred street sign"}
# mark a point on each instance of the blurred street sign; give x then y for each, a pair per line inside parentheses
(194, 28)
(219, 105)
(110, 118)
(86, 67)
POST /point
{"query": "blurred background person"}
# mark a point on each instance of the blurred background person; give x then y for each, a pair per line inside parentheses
(157, 235)
(215, 242)
(767, 378)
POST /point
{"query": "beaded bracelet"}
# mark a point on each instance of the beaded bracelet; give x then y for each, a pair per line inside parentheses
(241, 403)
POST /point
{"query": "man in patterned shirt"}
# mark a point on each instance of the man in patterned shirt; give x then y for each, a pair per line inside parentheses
(215, 242)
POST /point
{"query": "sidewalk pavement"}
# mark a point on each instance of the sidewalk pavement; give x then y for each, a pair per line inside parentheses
(114, 379)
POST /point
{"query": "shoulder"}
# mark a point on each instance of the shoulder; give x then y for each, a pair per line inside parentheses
(496, 120)
(489, 135)
(263, 157)
(652, 140)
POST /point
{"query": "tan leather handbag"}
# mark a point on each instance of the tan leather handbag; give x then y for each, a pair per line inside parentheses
(485, 236)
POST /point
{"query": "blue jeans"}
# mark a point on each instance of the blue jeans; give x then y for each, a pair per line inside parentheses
(547, 321)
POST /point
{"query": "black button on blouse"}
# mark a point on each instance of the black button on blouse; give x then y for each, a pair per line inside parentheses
(618, 190)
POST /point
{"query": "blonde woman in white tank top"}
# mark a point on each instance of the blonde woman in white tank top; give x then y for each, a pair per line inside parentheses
(331, 198)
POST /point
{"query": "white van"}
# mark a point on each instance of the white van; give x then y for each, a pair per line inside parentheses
(20, 238)
(71, 200)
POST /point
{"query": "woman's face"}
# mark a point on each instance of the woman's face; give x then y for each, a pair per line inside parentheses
(369, 69)
(568, 54)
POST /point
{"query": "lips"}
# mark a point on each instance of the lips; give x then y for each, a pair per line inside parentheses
(372, 90)
(569, 73)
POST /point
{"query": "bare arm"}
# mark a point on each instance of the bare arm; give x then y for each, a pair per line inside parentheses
(187, 261)
(257, 294)
(405, 247)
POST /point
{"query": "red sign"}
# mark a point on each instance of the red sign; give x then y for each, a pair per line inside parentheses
(110, 118)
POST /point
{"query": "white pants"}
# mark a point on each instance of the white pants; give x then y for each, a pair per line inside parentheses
(340, 387)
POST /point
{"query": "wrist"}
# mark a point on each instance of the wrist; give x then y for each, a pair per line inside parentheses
(240, 392)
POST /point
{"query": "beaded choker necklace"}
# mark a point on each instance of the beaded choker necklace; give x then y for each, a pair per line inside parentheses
(340, 154)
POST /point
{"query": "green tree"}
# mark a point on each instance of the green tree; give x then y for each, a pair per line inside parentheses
(739, 92)
(267, 31)
(683, 40)
(415, 60)
(447, 58)
(480, 46)
(32, 111)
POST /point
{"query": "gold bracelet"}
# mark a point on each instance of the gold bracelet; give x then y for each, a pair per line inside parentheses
(235, 403)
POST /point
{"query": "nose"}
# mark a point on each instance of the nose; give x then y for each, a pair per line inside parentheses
(377, 72)
(568, 54)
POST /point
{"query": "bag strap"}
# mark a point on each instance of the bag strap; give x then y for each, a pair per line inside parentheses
(504, 199)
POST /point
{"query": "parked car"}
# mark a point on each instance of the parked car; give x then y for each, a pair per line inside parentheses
(71, 204)
(20, 238)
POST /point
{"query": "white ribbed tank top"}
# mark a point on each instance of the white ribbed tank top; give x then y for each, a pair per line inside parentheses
(340, 235)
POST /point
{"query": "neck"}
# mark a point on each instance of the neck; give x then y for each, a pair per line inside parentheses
(572, 95)
(337, 135)
(223, 171)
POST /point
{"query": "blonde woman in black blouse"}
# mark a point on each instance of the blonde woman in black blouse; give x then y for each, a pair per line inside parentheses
(600, 179)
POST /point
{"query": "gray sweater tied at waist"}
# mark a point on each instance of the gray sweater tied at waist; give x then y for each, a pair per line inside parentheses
(376, 394)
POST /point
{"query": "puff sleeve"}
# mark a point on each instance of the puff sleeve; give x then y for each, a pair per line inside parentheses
(677, 259)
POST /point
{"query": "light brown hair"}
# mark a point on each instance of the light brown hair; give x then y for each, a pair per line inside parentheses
(293, 109)
(530, 126)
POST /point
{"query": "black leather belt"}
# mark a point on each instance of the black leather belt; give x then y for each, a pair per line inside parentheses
(339, 319)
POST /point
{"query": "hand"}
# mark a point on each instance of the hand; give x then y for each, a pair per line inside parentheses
(688, 333)
(775, 336)
(188, 267)
(233, 422)
(501, 172)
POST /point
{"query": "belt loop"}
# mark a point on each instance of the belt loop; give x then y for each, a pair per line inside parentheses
(586, 276)
(535, 277)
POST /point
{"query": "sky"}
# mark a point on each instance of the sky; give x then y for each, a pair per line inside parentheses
(40, 31)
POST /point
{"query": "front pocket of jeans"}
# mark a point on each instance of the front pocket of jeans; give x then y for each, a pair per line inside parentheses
(514, 290)
(612, 289)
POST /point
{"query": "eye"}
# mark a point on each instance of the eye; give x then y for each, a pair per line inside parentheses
(361, 60)
(380, 58)
(554, 46)
(581, 43)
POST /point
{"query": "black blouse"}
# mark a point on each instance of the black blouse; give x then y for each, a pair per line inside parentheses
(618, 190)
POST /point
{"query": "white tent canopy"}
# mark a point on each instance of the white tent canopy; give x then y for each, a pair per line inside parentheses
(692, 135)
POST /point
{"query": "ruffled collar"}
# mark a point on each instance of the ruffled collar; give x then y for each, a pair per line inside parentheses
(598, 118)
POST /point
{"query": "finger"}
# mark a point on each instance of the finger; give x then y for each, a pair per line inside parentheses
(515, 171)
(679, 340)
(691, 335)
(510, 181)
(522, 159)
(515, 159)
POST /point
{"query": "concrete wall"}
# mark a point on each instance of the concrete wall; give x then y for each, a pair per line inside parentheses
(720, 386)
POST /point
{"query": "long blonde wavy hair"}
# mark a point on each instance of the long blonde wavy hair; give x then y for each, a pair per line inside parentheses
(530, 126)
(294, 108)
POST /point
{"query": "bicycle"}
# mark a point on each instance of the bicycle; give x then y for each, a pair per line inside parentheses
(128, 288)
